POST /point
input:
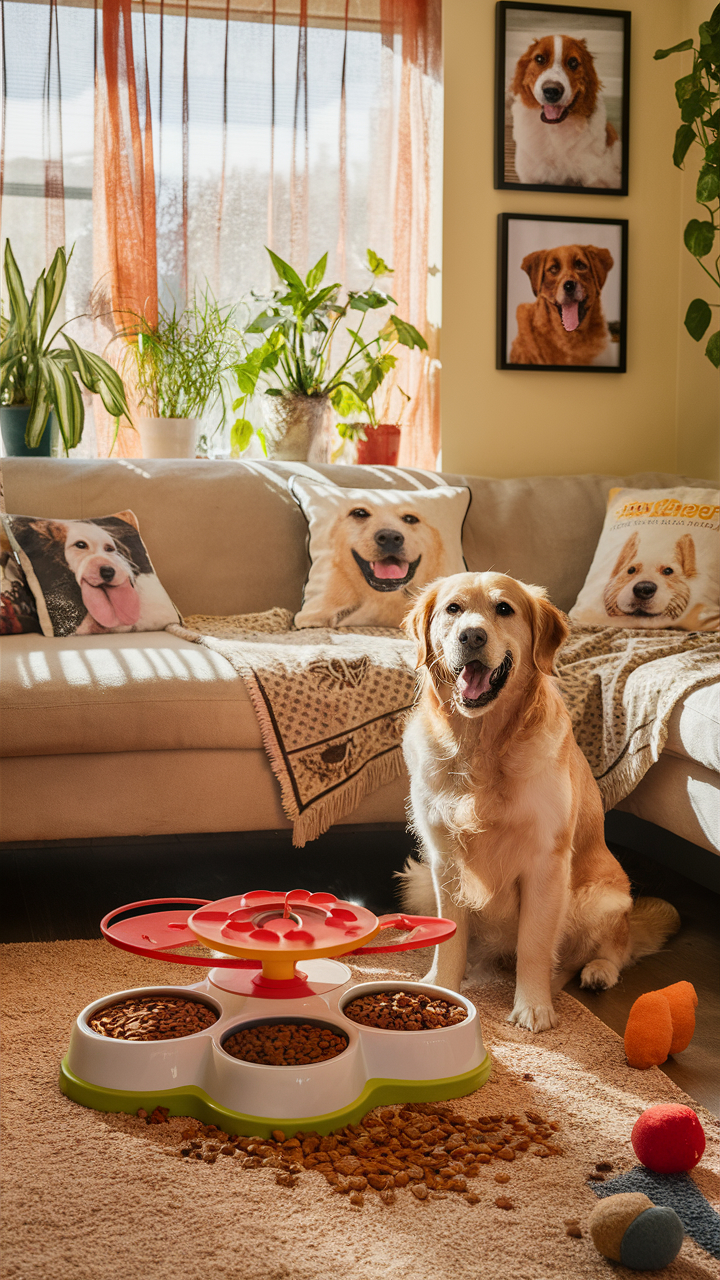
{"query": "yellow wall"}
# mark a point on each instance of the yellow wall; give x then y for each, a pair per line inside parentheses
(660, 415)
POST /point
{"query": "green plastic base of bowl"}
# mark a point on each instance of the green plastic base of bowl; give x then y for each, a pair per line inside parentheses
(191, 1101)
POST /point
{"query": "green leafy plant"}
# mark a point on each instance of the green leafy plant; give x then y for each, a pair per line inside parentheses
(179, 363)
(296, 326)
(42, 376)
(699, 101)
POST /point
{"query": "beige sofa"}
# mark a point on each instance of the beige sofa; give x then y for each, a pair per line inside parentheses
(146, 734)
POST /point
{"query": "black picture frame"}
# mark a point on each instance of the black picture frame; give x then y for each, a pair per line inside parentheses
(504, 126)
(506, 296)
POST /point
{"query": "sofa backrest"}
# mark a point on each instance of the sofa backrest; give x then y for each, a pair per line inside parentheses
(227, 537)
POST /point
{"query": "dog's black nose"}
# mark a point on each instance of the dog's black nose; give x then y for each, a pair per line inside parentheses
(644, 590)
(473, 637)
(107, 573)
(389, 541)
(552, 92)
(569, 286)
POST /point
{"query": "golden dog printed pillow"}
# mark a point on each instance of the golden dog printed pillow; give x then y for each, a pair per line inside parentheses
(371, 550)
(657, 563)
(89, 576)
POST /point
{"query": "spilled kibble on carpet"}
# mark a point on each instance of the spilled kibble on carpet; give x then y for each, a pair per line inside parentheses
(430, 1149)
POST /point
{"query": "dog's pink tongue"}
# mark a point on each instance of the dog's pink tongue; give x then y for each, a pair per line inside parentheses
(552, 112)
(474, 680)
(112, 606)
(389, 568)
(570, 316)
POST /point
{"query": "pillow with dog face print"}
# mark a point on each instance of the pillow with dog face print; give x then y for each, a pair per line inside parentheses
(657, 563)
(372, 549)
(90, 576)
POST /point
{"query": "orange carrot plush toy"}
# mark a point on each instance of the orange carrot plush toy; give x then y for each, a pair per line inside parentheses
(660, 1023)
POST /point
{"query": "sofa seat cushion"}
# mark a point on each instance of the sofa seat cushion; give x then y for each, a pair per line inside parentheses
(148, 691)
(694, 727)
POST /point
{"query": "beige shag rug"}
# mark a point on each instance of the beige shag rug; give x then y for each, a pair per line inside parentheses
(90, 1196)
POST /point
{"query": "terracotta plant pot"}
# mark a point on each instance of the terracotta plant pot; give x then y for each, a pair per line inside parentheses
(13, 421)
(381, 447)
(169, 437)
(297, 428)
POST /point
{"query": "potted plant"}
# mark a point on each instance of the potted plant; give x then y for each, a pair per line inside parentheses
(698, 98)
(288, 349)
(39, 392)
(177, 366)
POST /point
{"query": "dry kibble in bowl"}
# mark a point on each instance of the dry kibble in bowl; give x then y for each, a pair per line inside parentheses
(404, 1011)
(157, 1017)
(285, 1044)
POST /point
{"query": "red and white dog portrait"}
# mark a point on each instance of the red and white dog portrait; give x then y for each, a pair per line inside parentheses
(559, 122)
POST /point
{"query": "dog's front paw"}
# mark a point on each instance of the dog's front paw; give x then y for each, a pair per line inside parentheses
(538, 1017)
(599, 975)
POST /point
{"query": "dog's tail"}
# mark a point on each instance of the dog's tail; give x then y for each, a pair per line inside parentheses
(416, 888)
(652, 922)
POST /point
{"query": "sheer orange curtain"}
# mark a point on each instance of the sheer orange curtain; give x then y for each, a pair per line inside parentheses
(412, 42)
(124, 223)
(307, 125)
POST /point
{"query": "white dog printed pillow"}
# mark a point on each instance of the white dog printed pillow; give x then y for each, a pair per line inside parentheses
(657, 563)
(90, 576)
(371, 550)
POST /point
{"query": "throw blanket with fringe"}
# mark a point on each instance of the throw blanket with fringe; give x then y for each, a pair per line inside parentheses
(332, 704)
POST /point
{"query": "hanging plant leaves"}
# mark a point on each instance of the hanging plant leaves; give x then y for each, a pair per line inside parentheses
(712, 350)
(699, 237)
(684, 139)
(697, 318)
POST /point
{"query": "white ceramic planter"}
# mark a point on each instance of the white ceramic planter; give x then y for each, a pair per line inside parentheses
(169, 437)
(297, 428)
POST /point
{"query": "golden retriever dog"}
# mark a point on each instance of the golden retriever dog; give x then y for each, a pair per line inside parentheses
(566, 323)
(651, 589)
(508, 814)
(380, 552)
(561, 131)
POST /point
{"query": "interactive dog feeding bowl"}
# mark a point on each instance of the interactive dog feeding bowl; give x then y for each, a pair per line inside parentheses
(257, 940)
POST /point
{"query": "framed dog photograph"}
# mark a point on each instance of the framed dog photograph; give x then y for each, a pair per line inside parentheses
(562, 293)
(562, 106)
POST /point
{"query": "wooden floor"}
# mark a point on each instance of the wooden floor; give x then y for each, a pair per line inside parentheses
(63, 890)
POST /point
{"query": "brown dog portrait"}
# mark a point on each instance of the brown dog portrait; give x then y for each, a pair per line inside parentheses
(651, 588)
(565, 325)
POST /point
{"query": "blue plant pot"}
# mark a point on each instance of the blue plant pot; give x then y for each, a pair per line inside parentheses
(13, 421)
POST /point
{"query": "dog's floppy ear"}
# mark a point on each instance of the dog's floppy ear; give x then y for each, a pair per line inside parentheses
(601, 260)
(416, 623)
(627, 555)
(50, 530)
(517, 86)
(549, 630)
(685, 552)
(534, 265)
(129, 517)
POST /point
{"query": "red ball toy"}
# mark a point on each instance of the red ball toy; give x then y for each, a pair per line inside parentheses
(668, 1138)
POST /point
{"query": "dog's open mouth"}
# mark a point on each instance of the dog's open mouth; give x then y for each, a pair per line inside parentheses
(551, 114)
(111, 606)
(572, 313)
(389, 574)
(477, 684)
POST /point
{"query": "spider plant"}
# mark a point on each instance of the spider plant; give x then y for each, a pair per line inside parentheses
(297, 325)
(41, 376)
(178, 364)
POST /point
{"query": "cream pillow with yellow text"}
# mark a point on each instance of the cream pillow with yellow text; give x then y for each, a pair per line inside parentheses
(372, 550)
(657, 563)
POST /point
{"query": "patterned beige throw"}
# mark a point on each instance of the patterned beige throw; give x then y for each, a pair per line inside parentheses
(332, 703)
